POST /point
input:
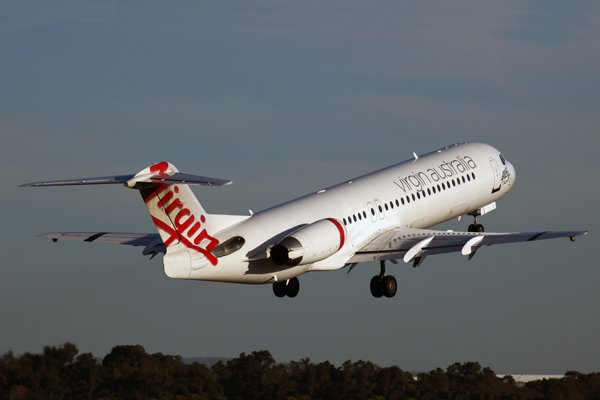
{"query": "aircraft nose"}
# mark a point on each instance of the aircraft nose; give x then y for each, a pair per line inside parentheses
(511, 171)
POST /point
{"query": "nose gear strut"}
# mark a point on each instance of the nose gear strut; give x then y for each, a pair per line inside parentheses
(475, 227)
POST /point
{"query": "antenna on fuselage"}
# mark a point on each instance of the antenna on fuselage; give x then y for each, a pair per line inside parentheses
(416, 156)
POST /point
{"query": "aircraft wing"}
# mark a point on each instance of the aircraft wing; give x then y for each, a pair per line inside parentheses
(414, 244)
(151, 241)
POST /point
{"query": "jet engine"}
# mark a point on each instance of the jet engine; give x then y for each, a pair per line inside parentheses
(309, 244)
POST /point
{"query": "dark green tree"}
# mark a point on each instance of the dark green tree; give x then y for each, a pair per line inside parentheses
(252, 376)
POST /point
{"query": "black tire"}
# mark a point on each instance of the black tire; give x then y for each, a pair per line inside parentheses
(389, 286)
(479, 228)
(376, 287)
(292, 288)
(279, 289)
(471, 228)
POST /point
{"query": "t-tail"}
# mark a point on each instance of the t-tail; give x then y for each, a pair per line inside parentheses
(185, 228)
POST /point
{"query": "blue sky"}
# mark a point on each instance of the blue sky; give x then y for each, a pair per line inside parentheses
(286, 98)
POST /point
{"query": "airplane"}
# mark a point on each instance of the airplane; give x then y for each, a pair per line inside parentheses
(384, 215)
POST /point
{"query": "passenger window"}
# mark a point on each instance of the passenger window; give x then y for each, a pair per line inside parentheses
(365, 215)
(418, 195)
(372, 211)
(380, 209)
(429, 191)
(469, 177)
(386, 207)
(398, 204)
(463, 179)
(453, 184)
(413, 196)
(439, 187)
(473, 175)
(345, 221)
(433, 188)
(359, 216)
(354, 217)
(443, 187)
(402, 200)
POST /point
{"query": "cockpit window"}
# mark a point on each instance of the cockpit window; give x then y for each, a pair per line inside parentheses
(502, 159)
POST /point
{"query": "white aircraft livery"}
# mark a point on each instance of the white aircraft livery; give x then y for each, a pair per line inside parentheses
(384, 215)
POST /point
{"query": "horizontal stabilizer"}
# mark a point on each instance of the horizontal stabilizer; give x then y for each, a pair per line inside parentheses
(163, 173)
(152, 242)
(102, 180)
(132, 239)
(192, 180)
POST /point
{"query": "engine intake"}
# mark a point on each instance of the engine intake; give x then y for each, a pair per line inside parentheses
(309, 244)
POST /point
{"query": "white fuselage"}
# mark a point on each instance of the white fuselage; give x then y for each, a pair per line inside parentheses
(417, 193)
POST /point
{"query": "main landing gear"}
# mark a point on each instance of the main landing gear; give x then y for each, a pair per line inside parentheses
(475, 227)
(382, 284)
(289, 288)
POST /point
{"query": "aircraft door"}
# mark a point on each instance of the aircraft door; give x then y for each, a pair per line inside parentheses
(372, 211)
(497, 176)
(380, 209)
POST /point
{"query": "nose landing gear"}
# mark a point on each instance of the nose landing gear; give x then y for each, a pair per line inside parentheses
(475, 227)
(382, 284)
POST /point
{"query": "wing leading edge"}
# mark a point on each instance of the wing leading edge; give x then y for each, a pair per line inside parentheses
(413, 245)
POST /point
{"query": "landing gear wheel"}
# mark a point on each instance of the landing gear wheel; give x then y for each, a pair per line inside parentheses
(476, 228)
(279, 289)
(292, 288)
(389, 286)
(376, 286)
(287, 288)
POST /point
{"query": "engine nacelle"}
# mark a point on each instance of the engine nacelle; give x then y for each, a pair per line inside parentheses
(312, 243)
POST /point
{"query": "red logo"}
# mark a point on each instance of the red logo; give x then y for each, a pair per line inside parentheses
(161, 168)
(187, 226)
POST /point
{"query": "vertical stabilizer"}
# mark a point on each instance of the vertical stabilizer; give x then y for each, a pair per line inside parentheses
(182, 223)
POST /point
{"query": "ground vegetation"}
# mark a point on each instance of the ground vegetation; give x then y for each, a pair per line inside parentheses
(129, 372)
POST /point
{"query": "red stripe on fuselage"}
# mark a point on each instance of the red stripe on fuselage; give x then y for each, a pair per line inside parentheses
(341, 229)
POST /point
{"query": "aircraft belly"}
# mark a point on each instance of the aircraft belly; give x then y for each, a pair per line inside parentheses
(254, 272)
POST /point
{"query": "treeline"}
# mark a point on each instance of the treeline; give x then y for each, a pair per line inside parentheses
(128, 372)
